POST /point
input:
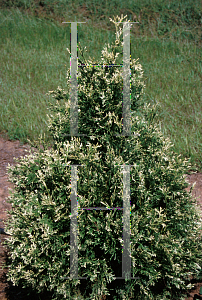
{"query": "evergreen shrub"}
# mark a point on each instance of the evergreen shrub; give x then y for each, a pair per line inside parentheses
(165, 222)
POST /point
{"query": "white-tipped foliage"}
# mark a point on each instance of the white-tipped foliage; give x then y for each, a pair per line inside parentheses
(166, 245)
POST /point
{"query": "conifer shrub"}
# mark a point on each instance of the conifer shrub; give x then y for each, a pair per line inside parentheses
(164, 219)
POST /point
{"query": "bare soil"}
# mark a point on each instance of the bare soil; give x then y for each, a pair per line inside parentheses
(9, 150)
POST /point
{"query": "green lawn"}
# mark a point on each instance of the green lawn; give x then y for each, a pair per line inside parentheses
(167, 41)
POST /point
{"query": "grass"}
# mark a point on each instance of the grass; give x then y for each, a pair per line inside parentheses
(167, 41)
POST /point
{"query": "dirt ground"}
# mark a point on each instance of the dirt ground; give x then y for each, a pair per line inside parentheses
(11, 149)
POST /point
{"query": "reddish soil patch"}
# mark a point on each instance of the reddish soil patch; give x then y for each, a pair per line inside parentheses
(11, 149)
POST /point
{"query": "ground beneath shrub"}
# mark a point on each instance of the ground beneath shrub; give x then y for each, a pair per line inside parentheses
(11, 149)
